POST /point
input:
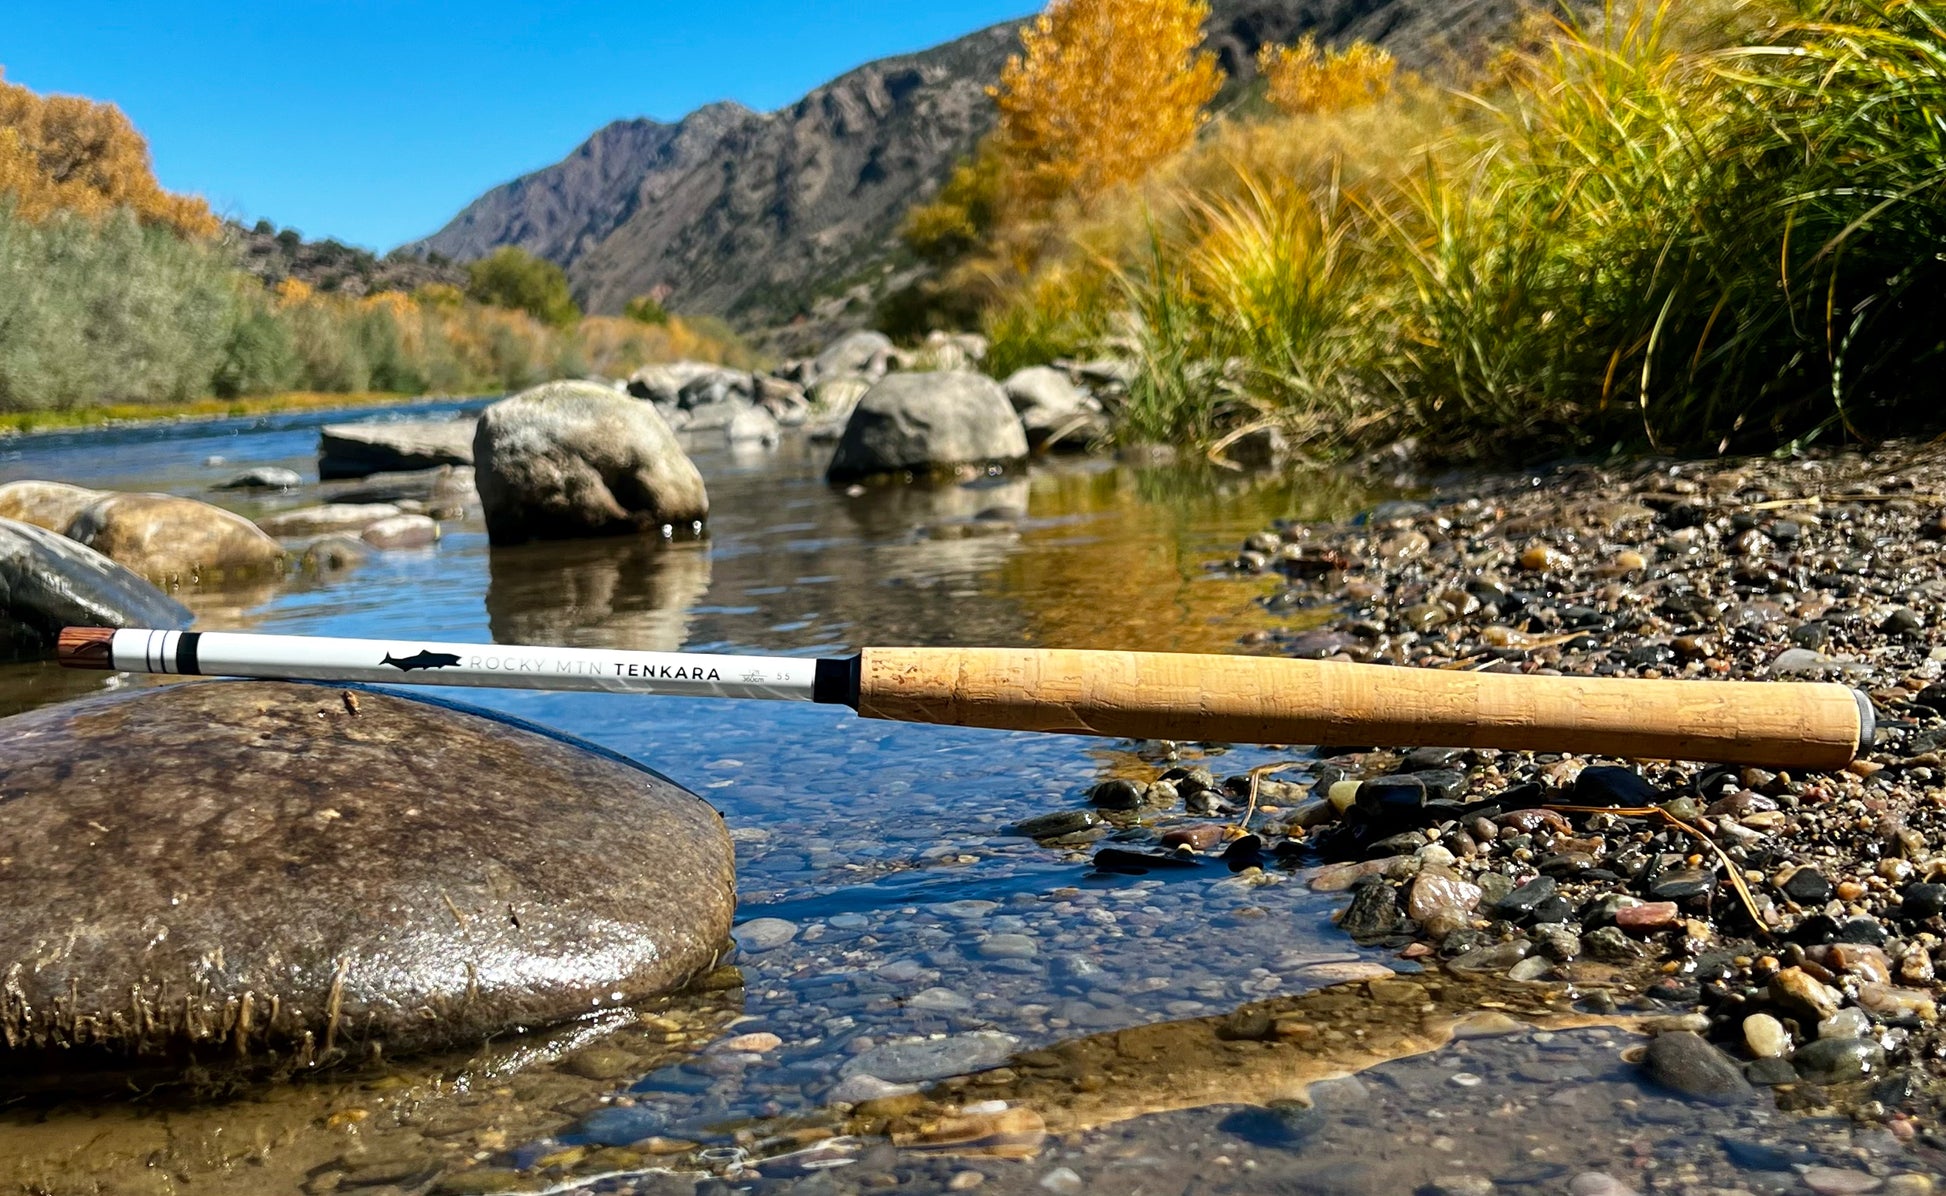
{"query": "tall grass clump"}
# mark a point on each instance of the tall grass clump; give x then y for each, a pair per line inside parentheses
(1694, 228)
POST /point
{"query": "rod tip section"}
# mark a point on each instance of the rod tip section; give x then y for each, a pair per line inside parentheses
(85, 647)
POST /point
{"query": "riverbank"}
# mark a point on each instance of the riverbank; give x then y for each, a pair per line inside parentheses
(1796, 917)
(130, 415)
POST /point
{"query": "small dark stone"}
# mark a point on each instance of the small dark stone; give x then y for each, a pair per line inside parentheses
(1770, 1073)
(1864, 931)
(1903, 621)
(1813, 635)
(1432, 759)
(1688, 1064)
(1117, 794)
(1190, 780)
(1612, 785)
(1525, 899)
(1247, 852)
(1609, 945)
(1763, 1156)
(1933, 697)
(1807, 886)
(1649, 656)
(1839, 1060)
(1392, 800)
(1680, 884)
(1403, 843)
(1923, 901)
(1566, 864)
(1553, 911)
(1058, 823)
(1815, 931)
(1373, 913)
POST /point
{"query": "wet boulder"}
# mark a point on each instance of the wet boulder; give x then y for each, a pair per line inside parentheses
(928, 423)
(352, 517)
(48, 582)
(870, 355)
(568, 459)
(52, 505)
(393, 446)
(264, 477)
(174, 540)
(662, 382)
(270, 876)
(1054, 412)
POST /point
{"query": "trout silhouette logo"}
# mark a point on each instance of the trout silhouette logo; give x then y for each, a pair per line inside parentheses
(422, 660)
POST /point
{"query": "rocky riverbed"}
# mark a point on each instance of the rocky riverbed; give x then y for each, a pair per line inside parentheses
(1796, 917)
(1034, 964)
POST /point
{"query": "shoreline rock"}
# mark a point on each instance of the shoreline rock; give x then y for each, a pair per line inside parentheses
(278, 878)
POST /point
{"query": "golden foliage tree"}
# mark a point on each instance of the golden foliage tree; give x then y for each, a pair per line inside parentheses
(69, 154)
(1303, 79)
(1102, 91)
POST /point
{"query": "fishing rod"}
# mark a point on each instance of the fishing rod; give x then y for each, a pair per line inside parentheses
(1134, 695)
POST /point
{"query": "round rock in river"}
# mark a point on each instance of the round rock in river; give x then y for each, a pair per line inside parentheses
(572, 459)
(267, 875)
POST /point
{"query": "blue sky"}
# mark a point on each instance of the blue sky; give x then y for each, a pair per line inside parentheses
(374, 122)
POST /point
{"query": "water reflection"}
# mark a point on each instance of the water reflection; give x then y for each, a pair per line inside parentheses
(635, 593)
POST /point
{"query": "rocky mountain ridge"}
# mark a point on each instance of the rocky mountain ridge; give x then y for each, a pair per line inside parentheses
(755, 215)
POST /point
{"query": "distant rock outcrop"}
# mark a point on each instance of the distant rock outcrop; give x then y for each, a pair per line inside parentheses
(753, 214)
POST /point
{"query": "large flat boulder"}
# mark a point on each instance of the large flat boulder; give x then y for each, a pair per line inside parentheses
(570, 459)
(266, 876)
(174, 540)
(52, 505)
(48, 582)
(928, 423)
(392, 446)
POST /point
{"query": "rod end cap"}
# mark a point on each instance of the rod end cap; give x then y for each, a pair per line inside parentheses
(85, 647)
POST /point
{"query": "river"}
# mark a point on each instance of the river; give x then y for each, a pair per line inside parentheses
(886, 848)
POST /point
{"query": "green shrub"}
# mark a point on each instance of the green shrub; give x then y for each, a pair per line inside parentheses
(513, 278)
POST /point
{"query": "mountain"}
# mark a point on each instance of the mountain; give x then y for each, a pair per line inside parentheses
(754, 215)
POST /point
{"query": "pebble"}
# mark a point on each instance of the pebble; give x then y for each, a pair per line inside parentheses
(857, 1089)
(764, 934)
(1846, 1023)
(1830, 1181)
(1648, 918)
(1839, 1060)
(917, 1060)
(1117, 794)
(967, 911)
(1766, 1036)
(754, 1044)
(1058, 823)
(1598, 1183)
(941, 999)
(1007, 946)
(1436, 891)
(1063, 1181)
(1687, 1063)
(1809, 999)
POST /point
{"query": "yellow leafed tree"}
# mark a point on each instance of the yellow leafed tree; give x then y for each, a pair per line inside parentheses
(69, 154)
(1303, 79)
(1102, 91)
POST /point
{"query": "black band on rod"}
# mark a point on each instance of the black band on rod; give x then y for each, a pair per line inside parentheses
(186, 654)
(836, 682)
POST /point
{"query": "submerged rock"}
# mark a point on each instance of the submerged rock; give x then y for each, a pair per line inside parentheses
(173, 540)
(1687, 1063)
(927, 423)
(48, 582)
(328, 518)
(393, 446)
(571, 459)
(257, 875)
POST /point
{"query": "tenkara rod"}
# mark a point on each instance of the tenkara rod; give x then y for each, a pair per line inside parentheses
(1136, 695)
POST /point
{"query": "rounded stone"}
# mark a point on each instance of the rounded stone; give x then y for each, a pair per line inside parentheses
(264, 875)
(928, 423)
(571, 459)
(170, 539)
(52, 505)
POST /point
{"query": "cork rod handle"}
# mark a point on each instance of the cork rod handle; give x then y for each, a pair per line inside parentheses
(1247, 699)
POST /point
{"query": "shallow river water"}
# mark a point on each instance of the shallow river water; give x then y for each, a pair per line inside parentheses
(893, 925)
